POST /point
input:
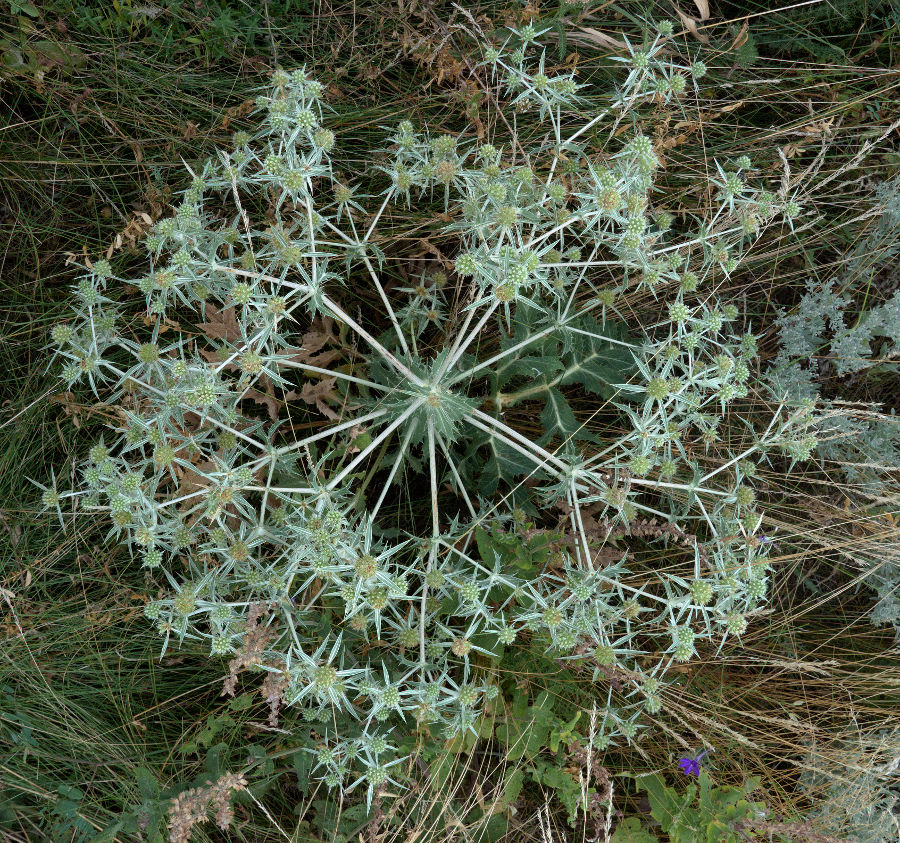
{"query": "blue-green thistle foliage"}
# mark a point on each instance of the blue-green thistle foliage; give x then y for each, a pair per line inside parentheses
(381, 633)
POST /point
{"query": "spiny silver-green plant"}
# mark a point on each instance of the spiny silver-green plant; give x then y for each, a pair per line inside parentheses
(277, 541)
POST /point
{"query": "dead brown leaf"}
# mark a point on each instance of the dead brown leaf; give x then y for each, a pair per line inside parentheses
(221, 324)
(320, 334)
(589, 35)
(165, 324)
(190, 130)
(15, 530)
(741, 37)
(70, 406)
(316, 392)
(272, 404)
(428, 248)
(690, 24)
(192, 480)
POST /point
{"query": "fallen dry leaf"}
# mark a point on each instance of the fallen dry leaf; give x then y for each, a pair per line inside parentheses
(690, 24)
(589, 35)
(320, 334)
(272, 404)
(315, 392)
(221, 324)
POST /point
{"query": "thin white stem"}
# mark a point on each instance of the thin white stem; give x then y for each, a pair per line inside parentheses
(286, 449)
(173, 501)
(456, 477)
(347, 239)
(578, 528)
(582, 264)
(534, 241)
(498, 357)
(741, 456)
(394, 468)
(387, 304)
(461, 349)
(375, 442)
(432, 468)
(589, 124)
(502, 428)
(432, 553)
(706, 516)
(540, 463)
(377, 217)
(602, 337)
(693, 242)
(312, 233)
(371, 341)
(639, 481)
(435, 535)
(282, 490)
(333, 373)
(458, 339)
(265, 497)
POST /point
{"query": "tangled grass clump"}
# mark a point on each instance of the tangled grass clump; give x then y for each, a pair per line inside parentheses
(394, 523)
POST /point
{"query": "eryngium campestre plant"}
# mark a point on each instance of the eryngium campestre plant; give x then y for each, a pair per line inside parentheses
(345, 549)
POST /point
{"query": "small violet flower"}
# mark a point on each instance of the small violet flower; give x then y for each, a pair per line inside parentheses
(690, 766)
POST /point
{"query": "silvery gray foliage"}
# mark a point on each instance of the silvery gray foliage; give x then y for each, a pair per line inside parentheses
(856, 786)
(821, 327)
(272, 535)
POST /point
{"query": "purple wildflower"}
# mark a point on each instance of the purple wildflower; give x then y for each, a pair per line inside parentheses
(689, 765)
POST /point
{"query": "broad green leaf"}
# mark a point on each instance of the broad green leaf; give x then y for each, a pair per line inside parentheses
(630, 831)
(495, 828)
(303, 763)
(557, 417)
(147, 784)
(513, 786)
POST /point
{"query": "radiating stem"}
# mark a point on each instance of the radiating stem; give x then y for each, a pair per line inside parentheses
(435, 535)
(394, 468)
(456, 477)
(400, 367)
(286, 449)
(539, 462)
(497, 357)
(461, 348)
(333, 373)
(414, 405)
(387, 304)
(563, 465)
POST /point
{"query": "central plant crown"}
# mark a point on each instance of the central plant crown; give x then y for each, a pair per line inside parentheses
(378, 541)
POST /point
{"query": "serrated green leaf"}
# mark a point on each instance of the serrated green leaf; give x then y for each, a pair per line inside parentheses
(534, 367)
(302, 763)
(557, 416)
(513, 786)
(630, 831)
(495, 828)
(663, 800)
(502, 463)
(594, 363)
(147, 784)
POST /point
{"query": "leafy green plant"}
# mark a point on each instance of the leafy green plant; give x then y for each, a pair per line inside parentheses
(703, 812)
